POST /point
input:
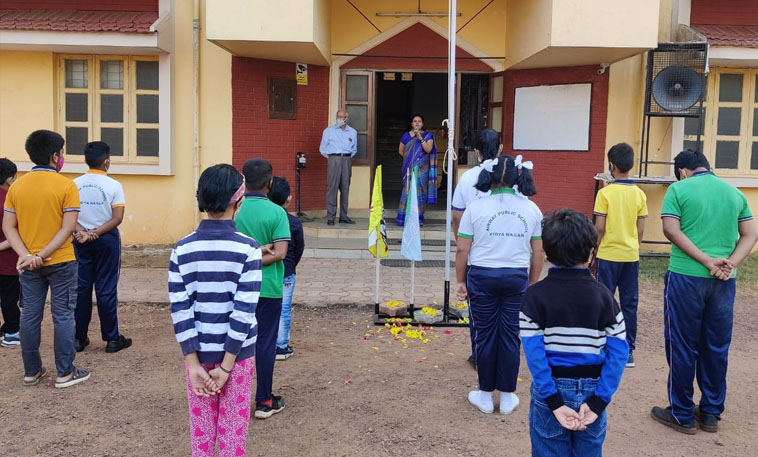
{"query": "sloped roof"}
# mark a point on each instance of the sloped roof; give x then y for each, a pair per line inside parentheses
(745, 36)
(77, 21)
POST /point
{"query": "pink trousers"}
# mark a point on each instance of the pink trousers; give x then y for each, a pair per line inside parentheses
(224, 416)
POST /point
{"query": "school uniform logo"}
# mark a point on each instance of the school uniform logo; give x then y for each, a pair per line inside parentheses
(512, 228)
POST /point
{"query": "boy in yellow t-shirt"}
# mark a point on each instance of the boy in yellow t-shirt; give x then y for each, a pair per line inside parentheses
(620, 211)
(40, 214)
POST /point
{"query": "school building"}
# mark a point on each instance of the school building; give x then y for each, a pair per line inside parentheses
(175, 86)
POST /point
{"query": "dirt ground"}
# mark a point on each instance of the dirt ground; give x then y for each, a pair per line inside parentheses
(349, 394)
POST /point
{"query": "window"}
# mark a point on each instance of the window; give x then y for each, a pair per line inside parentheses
(358, 99)
(730, 133)
(112, 99)
(282, 98)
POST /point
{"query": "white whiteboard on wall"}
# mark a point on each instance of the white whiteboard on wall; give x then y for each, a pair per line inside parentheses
(552, 118)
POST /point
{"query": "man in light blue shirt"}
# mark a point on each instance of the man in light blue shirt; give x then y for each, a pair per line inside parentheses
(339, 143)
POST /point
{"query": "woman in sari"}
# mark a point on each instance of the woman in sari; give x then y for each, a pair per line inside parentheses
(418, 150)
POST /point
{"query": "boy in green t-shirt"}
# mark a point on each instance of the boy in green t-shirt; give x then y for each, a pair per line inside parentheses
(620, 212)
(267, 223)
(710, 225)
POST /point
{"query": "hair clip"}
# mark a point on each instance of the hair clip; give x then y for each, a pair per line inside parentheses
(519, 163)
(489, 164)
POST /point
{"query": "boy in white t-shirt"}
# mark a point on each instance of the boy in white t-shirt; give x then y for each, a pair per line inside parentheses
(98, 249)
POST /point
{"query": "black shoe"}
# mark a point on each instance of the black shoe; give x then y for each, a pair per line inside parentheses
(472, 361)
(665, 417)
(346, 220)
(116, 345)
(708, 422)
(79, 345)
(284, 354)
(263, 412)
(330, 222)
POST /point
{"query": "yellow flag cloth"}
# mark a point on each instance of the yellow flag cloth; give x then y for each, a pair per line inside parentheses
(377, 229)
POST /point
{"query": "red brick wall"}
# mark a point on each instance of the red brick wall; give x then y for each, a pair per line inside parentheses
(724, 12)
(563, 179)
(416, 40)
(84, 5)
(276, 140)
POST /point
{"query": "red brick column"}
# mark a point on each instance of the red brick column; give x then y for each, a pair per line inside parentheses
(563, 178)
(277, 140)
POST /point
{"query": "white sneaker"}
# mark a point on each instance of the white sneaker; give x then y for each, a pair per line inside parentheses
(508, 402)
(479, 399)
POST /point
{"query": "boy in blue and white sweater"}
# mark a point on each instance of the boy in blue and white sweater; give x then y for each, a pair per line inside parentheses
(575, 344)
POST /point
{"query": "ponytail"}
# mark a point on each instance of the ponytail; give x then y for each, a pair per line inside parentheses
(506, 172)
(525, 182)
(484, 183)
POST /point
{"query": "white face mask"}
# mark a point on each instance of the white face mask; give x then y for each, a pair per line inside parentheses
(341, 122)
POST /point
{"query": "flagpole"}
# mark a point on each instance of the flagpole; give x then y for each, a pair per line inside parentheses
(451, 27)
(378, 255)
(413, 283)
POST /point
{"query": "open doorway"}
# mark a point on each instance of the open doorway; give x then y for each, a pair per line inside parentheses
(398, 97)
(401, 95)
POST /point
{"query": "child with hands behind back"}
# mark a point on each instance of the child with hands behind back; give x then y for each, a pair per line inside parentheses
(574, 341)
(214, 282)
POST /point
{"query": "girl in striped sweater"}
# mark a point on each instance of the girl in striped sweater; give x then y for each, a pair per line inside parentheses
(214, 281)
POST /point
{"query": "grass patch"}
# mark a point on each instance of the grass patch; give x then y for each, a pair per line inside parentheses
(652, 269)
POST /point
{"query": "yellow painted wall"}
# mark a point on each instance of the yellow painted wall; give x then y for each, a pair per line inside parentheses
(322, 27)
(529, 27)
(360, 192)
(260, 20)
(26, 99)
(614, 23)
(215, 102)
(159, 209)
(162, 209)
(349, 29)
(626, 91)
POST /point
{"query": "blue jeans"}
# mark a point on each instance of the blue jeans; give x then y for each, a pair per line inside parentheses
(550, 439)
(697, 315)
(285, 320)
(61, 279)
(624, 276)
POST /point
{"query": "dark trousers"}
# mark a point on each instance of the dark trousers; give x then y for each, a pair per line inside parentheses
(99, 266)
(625, 277)
(60, 279)
(10, 292)
(494, 303)
(338, 172)
(267, 314)
(697, 315)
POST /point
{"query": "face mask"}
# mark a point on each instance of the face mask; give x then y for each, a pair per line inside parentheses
(108, 167)
(59, 165)
(610, 170)
(341, 122)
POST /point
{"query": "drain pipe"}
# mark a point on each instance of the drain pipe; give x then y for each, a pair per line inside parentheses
(196, 98)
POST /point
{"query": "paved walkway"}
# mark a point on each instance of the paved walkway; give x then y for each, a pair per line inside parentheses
(319, 282)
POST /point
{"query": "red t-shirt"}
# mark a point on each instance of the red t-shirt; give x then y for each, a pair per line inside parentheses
(8, 257)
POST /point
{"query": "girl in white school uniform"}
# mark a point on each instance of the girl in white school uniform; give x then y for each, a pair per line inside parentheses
(488, 147)
(499, 254)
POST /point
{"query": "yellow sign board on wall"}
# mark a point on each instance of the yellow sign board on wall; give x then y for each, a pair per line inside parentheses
(301, 74)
